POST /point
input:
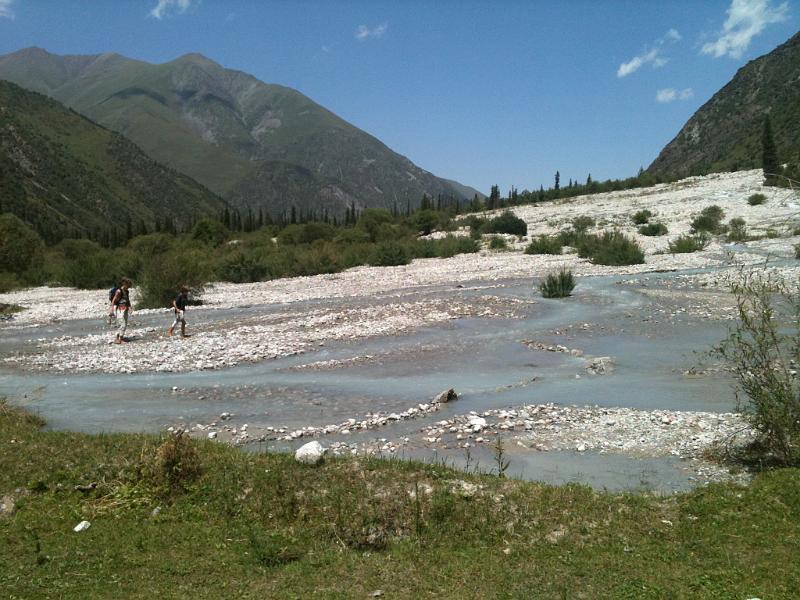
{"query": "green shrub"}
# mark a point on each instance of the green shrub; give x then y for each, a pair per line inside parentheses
(582, 223)
(653, 229)
(507, 222)
(240, 266)
(498, 243)
(708, 220)
(797, 251)
(164, 274)
(688, 243)
(642, 217)
(544, 244)
(306, 233)
(762, 352)
(371, 220)
(558, 285)
(211, 232)
(389, 254)
(20, 246)
(424, 221)
(756, 199)
(452, 244)
(772, 234)
(737, 230)
(612, 248)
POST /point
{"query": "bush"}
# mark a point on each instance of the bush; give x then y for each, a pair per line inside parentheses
(241, 267)
(498, 243)
(558, 285)
(688, 243)
(612, 249)
(210, 232)
(708, 220)
(737, 230)
(756, 199)
(389, 254)
(163, 275)
(653, 229)
(175, 465)
(582, 223)
(20, 246)
(451, 245)
(306, 233)
(642, 217)
(544, 244)
(507, 222)
(797, 251)
(762, 351)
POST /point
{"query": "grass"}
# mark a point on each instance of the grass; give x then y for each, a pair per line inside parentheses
(261, 525)
(558, 285)
(498, 243)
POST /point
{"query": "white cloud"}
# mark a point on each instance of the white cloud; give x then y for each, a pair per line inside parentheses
(650, 56)
(671, 94)
(5, 9)
(746, 19)
(166, 6)
(363, 32)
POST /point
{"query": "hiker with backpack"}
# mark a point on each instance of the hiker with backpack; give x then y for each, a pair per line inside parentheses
(121, 303)
(179, 307)
(112, 311)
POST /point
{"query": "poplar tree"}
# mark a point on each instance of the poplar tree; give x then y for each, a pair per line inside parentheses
(769, 155)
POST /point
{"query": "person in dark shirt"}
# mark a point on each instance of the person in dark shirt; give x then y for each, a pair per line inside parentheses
(179, 306)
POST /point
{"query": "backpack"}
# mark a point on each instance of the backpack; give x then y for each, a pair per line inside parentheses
(111, 293)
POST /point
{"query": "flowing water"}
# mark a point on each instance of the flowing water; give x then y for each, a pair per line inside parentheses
(483, 359)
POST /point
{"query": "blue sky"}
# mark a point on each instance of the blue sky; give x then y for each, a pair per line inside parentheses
(503, 92)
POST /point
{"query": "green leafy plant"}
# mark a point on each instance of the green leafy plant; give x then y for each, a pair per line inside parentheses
(582, 223)
(642, 217)
(544, 244)
(558, 285)
(498, 243)
(686, 244)
(763, 351)
(612, 248)
(708, 220)
(756, 199)
(737, 230)
(653, 229)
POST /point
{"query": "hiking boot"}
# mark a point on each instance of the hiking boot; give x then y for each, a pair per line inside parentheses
(170, 332)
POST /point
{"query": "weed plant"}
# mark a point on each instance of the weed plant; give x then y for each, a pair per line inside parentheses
(642, 217)
(763, 352)
(653, 229)
(544, 244)
(686, 244)
(558, 285)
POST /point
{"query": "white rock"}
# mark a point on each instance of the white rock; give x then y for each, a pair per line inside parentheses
(310, 453)
(82, 526)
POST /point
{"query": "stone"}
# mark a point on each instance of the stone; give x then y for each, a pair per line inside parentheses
(311, 453)
(7, 506)
(82, 526)
(445, 397)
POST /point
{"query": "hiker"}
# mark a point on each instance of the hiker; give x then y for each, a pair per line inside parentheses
(112, 311)
(121, 302)
(179, 306)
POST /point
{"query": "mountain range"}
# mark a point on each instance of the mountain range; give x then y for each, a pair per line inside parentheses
(258, 145)
(725, 133)
(68, 176)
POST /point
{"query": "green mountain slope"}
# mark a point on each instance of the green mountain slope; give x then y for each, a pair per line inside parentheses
(725, 133)
(258, 145)
(67, 175)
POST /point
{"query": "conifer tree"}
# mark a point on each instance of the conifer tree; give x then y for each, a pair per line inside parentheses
(557, 185)
(769, 155)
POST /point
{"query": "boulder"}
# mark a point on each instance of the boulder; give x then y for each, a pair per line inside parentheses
(446, 396)
(310, 453)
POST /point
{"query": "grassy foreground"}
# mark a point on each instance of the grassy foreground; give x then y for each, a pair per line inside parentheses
(235, 525)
